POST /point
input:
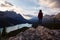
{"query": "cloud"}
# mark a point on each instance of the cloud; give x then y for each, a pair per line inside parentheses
(31, 7)
(50, 3)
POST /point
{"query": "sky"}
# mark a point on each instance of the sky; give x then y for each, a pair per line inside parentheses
(32, 7)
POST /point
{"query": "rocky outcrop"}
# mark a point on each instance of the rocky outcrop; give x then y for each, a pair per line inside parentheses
(39, 33)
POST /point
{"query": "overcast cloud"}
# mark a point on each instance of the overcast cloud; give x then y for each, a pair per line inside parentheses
(50, 3)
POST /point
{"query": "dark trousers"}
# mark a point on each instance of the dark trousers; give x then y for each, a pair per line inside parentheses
(40, 21)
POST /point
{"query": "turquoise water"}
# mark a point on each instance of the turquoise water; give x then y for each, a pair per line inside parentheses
(12, 28)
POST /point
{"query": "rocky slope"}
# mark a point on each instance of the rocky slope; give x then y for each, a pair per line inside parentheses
(39, 33)
(57, 16)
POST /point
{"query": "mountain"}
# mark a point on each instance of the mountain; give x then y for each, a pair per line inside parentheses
(46, 18)
(11, 14)
(33, 20)
(57, 16)
(9, 18)
(6, 6)
(19, 11)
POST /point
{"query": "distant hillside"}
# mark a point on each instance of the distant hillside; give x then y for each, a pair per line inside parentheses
(9, 18)
(57, 16)
(46, 18)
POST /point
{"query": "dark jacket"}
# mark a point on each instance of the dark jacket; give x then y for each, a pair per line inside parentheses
(40, 15)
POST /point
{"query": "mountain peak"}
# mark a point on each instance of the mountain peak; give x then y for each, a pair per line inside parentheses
(6, 6)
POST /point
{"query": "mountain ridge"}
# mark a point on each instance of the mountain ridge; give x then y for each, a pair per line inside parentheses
(10, 17)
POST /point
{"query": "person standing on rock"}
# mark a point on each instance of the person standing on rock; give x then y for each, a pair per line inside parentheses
(39, 22)
(40, 17)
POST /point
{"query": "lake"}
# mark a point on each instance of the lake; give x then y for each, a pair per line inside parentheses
(12, 28)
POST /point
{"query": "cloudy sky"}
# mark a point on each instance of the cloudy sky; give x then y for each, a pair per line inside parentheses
(33, 6)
